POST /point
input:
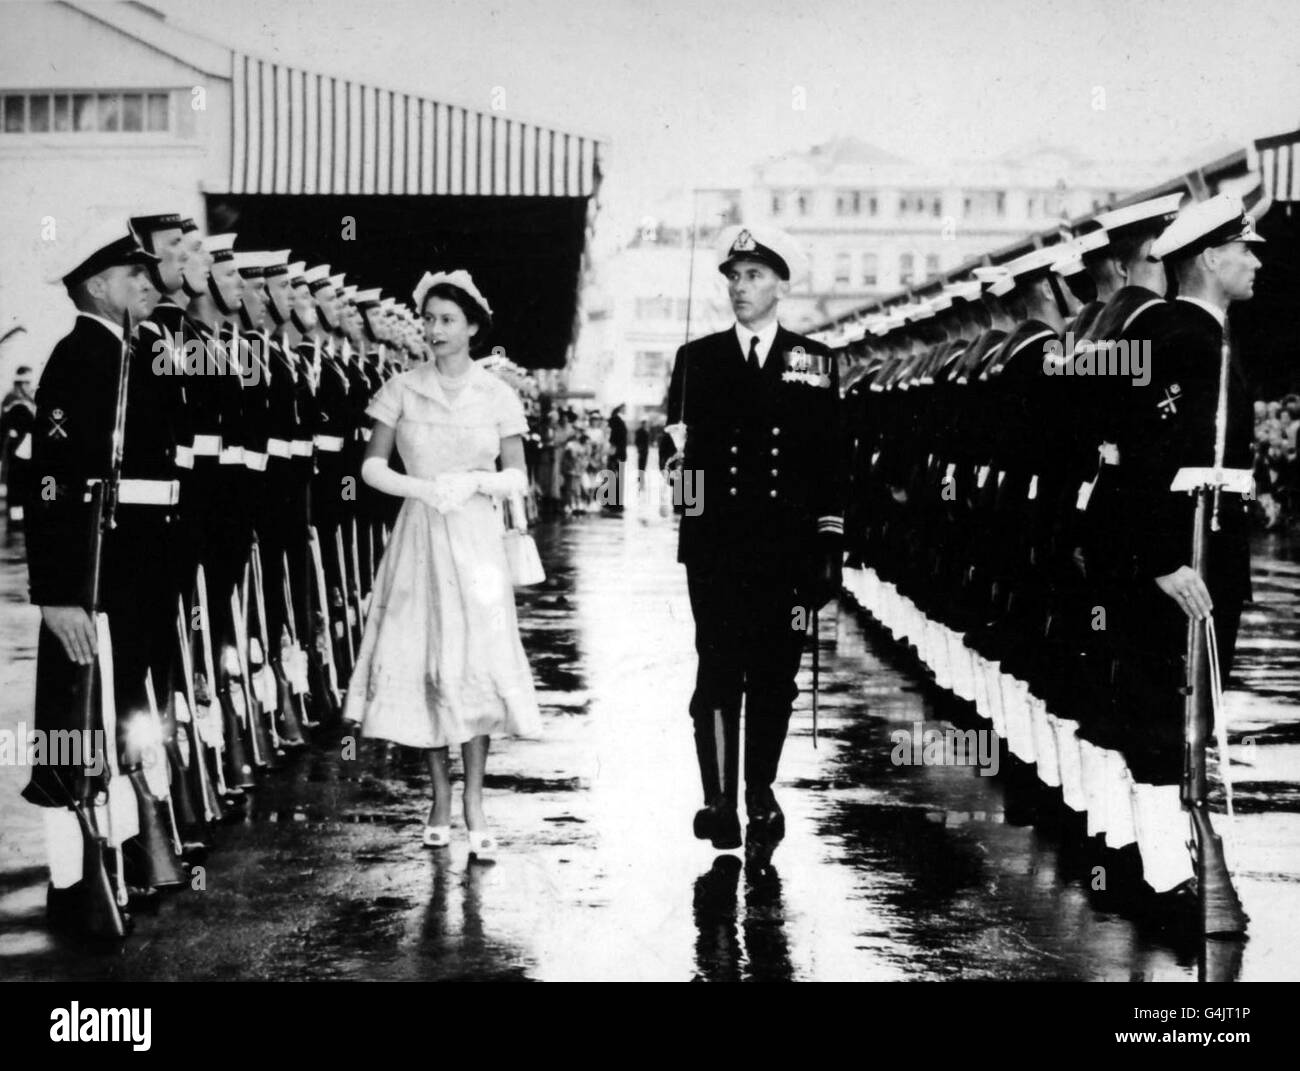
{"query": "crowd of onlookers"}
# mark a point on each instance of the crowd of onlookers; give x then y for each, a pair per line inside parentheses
(1277, 477)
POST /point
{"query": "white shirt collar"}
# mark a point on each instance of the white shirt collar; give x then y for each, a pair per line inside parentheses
(1219, 314)
(765, 339)
(115, 328)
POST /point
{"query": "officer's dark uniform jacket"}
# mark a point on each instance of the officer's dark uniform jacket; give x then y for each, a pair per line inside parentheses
(767, 449)
(72, 444)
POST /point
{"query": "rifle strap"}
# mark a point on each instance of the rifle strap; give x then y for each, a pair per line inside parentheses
(1220, 714)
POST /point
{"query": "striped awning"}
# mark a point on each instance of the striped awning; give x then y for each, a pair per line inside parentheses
(1279, 166)
(297, 132)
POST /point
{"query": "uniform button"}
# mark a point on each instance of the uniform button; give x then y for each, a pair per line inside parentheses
(775, 451)
(733, 470)
(773, 492)
(776, 431)
(735, 449)
(774, 472)
(733, 491)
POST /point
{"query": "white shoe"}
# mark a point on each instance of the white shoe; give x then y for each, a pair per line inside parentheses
(437, 836)
(482, 845)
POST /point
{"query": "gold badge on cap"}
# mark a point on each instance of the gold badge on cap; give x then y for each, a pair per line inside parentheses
(744, 243)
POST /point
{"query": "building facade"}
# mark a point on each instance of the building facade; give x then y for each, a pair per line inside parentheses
(871, 223)
(109, 109)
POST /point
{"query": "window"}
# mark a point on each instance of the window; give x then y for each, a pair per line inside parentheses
(105, 113)
(873, 205)
(848, 203)
(931, 265)
(843, 269)
(650, 364)
(803, 202)
(984, 204)
(870, 269)
(654, 308)
(919, 204)
(906, 267)
(778, 203)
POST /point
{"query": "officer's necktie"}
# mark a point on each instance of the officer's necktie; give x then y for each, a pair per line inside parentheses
(753, 354)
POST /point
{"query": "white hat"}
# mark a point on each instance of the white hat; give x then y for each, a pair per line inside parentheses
(460, 278)
(988, 274)
(336, 281)
(297, 268)
(1153, 210)
(966, 290)
(105, 245)
(1218, 221)
(767, 245)
(317, 277)
(367, 297)
(220, 246)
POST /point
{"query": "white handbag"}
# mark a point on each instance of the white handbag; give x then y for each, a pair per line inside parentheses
(522, 559)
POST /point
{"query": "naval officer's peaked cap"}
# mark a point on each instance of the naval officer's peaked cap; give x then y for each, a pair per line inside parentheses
(767, 245)
(108, 244)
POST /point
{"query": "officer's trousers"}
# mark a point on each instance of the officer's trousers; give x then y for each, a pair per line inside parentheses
(749, 642)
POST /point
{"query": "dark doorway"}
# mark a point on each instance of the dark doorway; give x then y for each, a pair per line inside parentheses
(525, 253)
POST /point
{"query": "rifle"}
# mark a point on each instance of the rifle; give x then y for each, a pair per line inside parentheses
(293, 659)
(325, 688)
(356, 583)
(258, 738)
(348, 618)
(272, 675)
(207, 723)
(1221, 910)
(102, 909)
(196, 748)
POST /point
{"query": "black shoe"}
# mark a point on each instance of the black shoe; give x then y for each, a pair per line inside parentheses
(766, 819)
(1176, 914)
(67, 912)
(719, 823)
(193, 852)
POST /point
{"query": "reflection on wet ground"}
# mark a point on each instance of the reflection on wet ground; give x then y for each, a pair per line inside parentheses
(887, 871)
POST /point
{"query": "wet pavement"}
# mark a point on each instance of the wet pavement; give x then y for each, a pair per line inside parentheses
(886, 872)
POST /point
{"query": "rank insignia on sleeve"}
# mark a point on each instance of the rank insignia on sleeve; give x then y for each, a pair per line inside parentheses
(57, 431)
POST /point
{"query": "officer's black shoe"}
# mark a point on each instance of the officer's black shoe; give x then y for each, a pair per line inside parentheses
(766, 819)
(719, 823)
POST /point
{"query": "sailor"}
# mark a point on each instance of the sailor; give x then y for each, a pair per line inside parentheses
(104, 273)
(759, 406)
(1167, 430)
(17, 419)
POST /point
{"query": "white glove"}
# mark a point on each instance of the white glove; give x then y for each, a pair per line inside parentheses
(376, 473)
(502, 484)
(452, 490)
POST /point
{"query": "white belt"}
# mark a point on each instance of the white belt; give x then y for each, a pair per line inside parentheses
(207, 445)
(184, 457)
(1109, 453)
(148, 492)
(232, 455)
(279, 447)
(301, 447)
(331, 444)
(1242, 481)
(254, 460)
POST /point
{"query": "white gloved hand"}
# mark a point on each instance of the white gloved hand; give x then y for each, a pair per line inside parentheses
(450, 491)
(502, 484)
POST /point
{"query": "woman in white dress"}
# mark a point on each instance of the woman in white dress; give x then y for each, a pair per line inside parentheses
(441, 664)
